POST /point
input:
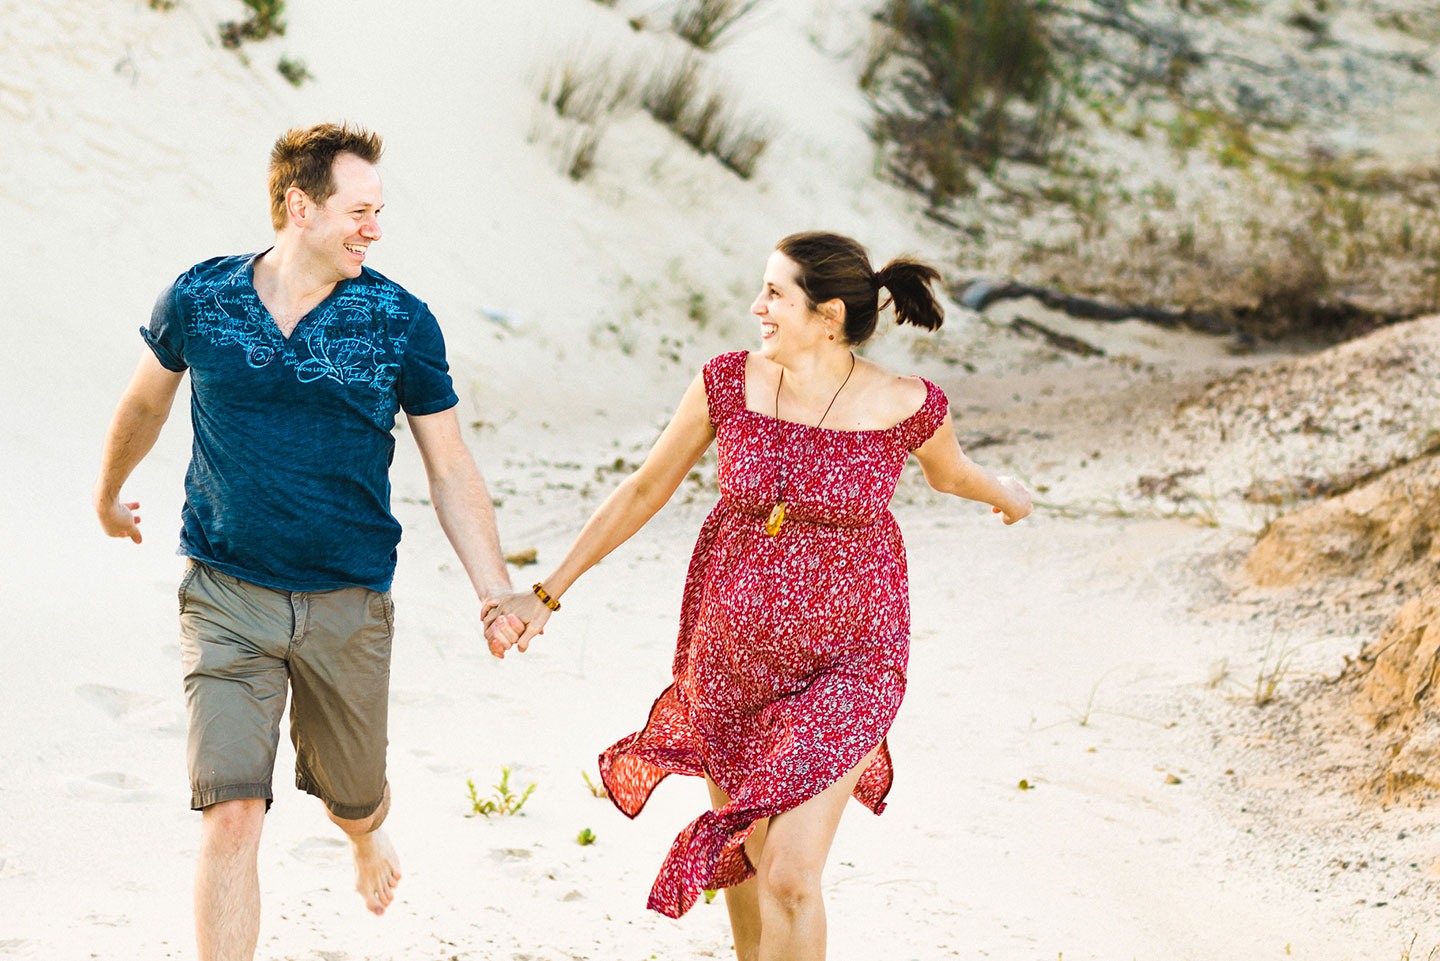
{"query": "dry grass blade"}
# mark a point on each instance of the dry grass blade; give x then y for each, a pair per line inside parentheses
(674, 98)
(584, 94)
(704, 23)
(669, 94)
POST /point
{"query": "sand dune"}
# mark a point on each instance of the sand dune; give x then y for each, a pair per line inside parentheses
(1071, 652)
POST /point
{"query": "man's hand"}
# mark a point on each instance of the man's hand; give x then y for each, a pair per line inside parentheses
(138, 418)
(513, 620)
(118, 519)
(502, 633)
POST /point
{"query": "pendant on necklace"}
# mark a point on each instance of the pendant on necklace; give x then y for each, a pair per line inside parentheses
(776, 518)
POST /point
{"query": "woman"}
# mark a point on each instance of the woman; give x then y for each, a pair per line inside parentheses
(794, 628)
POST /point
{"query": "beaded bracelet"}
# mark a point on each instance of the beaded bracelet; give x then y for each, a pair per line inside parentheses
(545, 598)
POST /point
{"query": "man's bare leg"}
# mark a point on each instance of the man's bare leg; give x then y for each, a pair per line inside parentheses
(227, 882)
(377, 866)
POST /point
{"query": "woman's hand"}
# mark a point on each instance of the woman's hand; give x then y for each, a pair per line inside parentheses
(513, 620)
(1019, 505)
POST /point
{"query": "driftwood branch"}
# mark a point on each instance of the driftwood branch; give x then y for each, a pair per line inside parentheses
(1056, 339)
(982, 293)
(1337, 316)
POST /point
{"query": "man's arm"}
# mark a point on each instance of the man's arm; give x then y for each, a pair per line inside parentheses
(461, 501)
(142, 411)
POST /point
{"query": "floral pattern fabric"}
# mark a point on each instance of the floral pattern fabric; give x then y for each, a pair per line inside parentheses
(790, 663)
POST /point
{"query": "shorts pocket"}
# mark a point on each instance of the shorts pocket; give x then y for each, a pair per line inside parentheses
(192, 568)
(379, 607)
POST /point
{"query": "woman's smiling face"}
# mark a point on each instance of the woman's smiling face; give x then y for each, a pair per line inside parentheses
(787, 324)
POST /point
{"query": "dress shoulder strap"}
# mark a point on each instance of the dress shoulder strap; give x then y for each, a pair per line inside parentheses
(916, 429)
(725, 385)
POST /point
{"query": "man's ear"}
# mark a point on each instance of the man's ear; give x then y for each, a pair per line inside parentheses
(298, 206)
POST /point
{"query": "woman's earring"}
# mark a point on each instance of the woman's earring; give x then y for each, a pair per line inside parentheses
(831, 336)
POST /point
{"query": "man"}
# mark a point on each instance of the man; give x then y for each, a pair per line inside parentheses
(299, 359)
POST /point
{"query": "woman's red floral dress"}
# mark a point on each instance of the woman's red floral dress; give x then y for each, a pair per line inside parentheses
(791, 658)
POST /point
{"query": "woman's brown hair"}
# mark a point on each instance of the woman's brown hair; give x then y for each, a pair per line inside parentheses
(834, 267)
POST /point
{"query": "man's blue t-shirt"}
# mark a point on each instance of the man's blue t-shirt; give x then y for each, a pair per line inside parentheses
(289, 478)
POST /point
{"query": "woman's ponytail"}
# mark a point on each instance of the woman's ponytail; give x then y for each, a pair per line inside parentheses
(835, 267)
(910, 285)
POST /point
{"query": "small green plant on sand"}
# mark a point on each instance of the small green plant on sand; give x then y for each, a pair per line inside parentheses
(585, 838)
(267, 19)
(294, 71)
(503, 801)
(710, 894)
(596, 790)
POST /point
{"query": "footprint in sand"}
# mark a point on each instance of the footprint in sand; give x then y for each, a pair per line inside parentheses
(112, 786)
(16, 948)
(432, 762)
(9, 863)
(410, 698)
(318, 850)
(134, 709)
(510, 854)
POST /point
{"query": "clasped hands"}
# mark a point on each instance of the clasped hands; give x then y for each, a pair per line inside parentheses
(513, 620)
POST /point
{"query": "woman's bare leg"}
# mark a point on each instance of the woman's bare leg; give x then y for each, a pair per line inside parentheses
(797, 842)
(740, 899)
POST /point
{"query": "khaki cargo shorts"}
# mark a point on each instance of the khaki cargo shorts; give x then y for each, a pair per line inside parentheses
(241, 645)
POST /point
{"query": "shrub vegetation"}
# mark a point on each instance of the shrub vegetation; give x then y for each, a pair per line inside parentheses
(294, 71)
(704, 23)
(266, 19)
(673, 97)
(975, 82)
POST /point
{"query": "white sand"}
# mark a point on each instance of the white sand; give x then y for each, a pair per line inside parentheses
(1072, 653)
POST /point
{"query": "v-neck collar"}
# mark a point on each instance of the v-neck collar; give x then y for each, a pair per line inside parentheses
(242, 280)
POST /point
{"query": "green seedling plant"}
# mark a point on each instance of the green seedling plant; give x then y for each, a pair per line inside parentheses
(504, 801)
(585, 838)
(596, 790)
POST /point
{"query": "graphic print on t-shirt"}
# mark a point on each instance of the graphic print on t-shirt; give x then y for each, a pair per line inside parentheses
(344, 339)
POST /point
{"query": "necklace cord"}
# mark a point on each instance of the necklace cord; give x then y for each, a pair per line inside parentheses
(780, 466)
(836, 396)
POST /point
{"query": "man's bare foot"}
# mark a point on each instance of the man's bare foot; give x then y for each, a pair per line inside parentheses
(377, 869)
